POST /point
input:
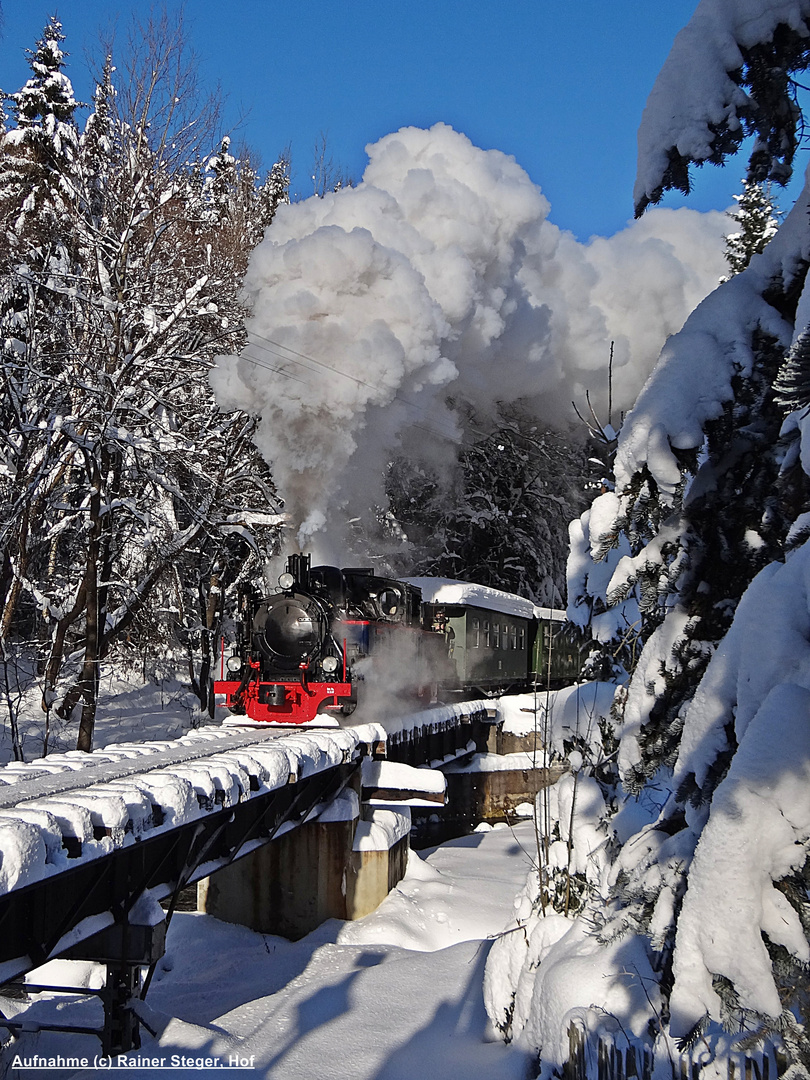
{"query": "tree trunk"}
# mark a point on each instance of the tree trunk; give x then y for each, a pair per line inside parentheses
(54, 665)
(213, 620)
(88, 680)
(17, 574)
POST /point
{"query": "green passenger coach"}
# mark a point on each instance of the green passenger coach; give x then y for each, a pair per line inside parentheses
(497, 641)
(558, 651)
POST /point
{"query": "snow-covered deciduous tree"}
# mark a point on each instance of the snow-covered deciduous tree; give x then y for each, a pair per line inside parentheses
(504, 520)
(327, 175)
(127, 494)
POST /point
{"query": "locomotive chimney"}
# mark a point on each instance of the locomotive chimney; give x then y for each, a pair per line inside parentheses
(298, 566)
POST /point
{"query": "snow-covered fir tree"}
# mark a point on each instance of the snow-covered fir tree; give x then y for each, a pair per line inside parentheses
(220, 187)
(793, 382)
(38, 191)
(756, 220)
(704, 913)
(44, 133)
(274, 192)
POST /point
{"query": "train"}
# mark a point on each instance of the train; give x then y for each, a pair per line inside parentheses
(328, 637)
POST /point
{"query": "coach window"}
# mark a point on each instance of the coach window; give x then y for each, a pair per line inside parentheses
(522, 636)
(496, 635)
(514, 637)
(486, 633)
(476, 634)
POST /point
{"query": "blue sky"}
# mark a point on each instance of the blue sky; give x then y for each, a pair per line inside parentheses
(559, 86)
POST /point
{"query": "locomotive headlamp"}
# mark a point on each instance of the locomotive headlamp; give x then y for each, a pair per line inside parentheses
(286, 581)
(329, 664)
(233, 663)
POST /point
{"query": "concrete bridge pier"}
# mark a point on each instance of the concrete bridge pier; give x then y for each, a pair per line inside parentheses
(342, 865)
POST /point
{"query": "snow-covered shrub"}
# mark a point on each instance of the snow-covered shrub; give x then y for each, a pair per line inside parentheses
(573, 844)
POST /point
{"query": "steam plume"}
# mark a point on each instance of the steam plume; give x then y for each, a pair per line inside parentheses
(438, 280)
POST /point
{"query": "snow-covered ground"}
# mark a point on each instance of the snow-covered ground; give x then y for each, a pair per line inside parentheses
(378, 998)
(130, 708)
(394, 996)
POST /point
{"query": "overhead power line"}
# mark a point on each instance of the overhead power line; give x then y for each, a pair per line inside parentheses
(301, 360)
(291, 356)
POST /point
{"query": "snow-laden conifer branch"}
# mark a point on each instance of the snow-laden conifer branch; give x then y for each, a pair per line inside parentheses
(726, 77)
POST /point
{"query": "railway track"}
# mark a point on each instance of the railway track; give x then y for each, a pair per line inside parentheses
(91, 844)
(74, 770)
(69, 821)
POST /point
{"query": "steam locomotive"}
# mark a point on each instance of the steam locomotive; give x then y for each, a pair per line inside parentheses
(307, 653)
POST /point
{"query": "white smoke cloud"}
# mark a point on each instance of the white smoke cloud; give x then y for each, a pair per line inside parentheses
(438, 280)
